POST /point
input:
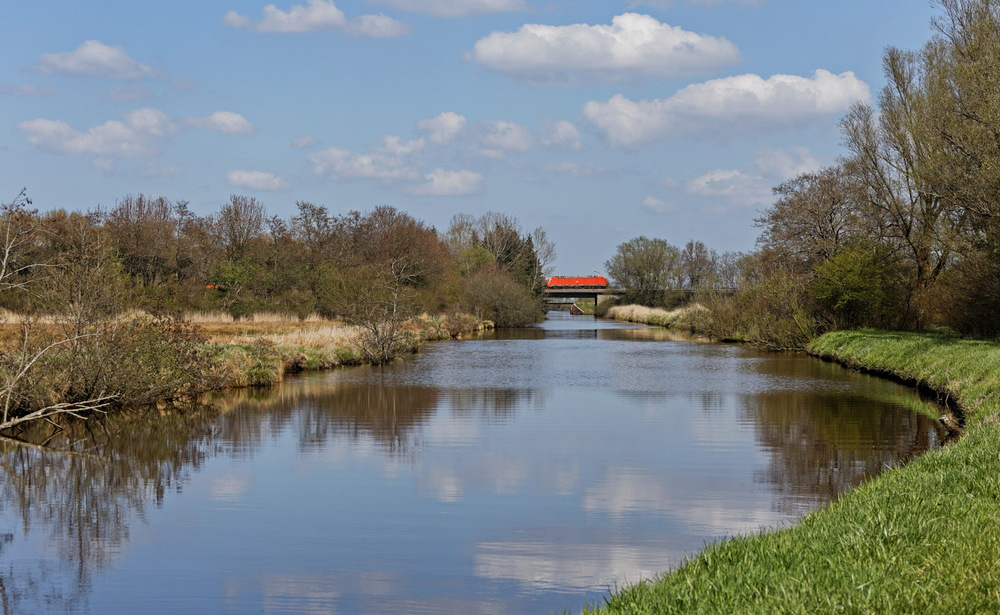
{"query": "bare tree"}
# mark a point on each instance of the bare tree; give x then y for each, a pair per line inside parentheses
(19, 229)
(697, 265)
(240, 221)
(17, 365)
(646, 268)
(814, 215)
(962, 64)
(545, 251)
(463, 233)
(144, 232)
(902, 205)
(500, 234)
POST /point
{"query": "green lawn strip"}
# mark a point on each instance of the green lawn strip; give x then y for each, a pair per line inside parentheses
(924, 538)
(967, 370)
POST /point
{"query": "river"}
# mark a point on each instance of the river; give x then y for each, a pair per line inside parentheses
(527, 471)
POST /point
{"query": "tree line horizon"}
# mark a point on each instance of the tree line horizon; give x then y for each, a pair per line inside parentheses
(161, 257)
(902, 232)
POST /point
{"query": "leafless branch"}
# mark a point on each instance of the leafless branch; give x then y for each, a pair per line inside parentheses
(76, 409)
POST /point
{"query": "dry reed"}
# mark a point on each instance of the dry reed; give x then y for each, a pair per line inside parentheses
(687, 317)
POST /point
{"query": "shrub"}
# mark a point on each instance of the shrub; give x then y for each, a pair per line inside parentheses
(774, 311)
(129, 360)
(970, 302)
(494, 295)
(858, 287)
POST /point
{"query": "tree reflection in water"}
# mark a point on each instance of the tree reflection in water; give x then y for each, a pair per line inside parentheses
(84, 488)
(79, 495)
(824, 442)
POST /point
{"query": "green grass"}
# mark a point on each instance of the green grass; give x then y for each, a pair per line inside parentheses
(966, 370)
(924, 538)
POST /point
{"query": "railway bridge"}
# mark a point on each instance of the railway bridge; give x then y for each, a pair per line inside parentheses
(561, 296)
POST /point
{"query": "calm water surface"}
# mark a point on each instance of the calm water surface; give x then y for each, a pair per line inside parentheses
(527, 472)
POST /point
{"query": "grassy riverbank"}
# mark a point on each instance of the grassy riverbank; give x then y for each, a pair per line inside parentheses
(919, 539)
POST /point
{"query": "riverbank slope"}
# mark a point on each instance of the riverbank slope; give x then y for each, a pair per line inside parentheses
(139, 361)
(256, 354)
(918, 539)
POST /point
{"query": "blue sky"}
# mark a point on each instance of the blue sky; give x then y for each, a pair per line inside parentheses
(596, 120)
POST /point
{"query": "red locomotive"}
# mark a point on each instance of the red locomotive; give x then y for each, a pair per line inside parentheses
(570, 282)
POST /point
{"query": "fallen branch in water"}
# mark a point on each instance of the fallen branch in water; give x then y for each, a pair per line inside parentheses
(75, 409)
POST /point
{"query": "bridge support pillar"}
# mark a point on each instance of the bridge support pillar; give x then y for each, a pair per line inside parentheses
(599, 299)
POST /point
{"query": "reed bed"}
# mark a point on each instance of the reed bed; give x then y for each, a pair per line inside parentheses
(255, 351)
(690, 317)
(313, 335)
(217, 317)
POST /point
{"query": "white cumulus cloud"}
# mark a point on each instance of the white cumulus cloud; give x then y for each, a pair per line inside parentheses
(316, 15)
(344, 164)
(753, 187)
(781, 165)
(631, 44)
(255, 180)
(564, 133)
(501, 136)
(378, 26)
(736, 186)
(656, 206)
(741, 103)
(395, 146)
(455, 8)
(573, 169)
(449, 183)
(225, 122)
(136, 135)
(442, 128)
(304, 142)
(94, 58)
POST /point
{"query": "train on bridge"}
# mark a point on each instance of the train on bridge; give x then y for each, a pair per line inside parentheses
(566, 282)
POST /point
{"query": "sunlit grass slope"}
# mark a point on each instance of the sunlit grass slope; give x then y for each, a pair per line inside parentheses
(965, 370)
(924, 538)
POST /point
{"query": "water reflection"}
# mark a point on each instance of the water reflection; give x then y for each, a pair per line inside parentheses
(824, 444)
(527, 472)
(79, 501)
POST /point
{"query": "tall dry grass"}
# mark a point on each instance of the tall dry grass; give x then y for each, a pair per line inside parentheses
(691, 317)
(277, 329)
(322, 336)
(219, 316)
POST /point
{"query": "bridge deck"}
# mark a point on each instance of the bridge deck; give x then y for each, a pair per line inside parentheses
(581, 292)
